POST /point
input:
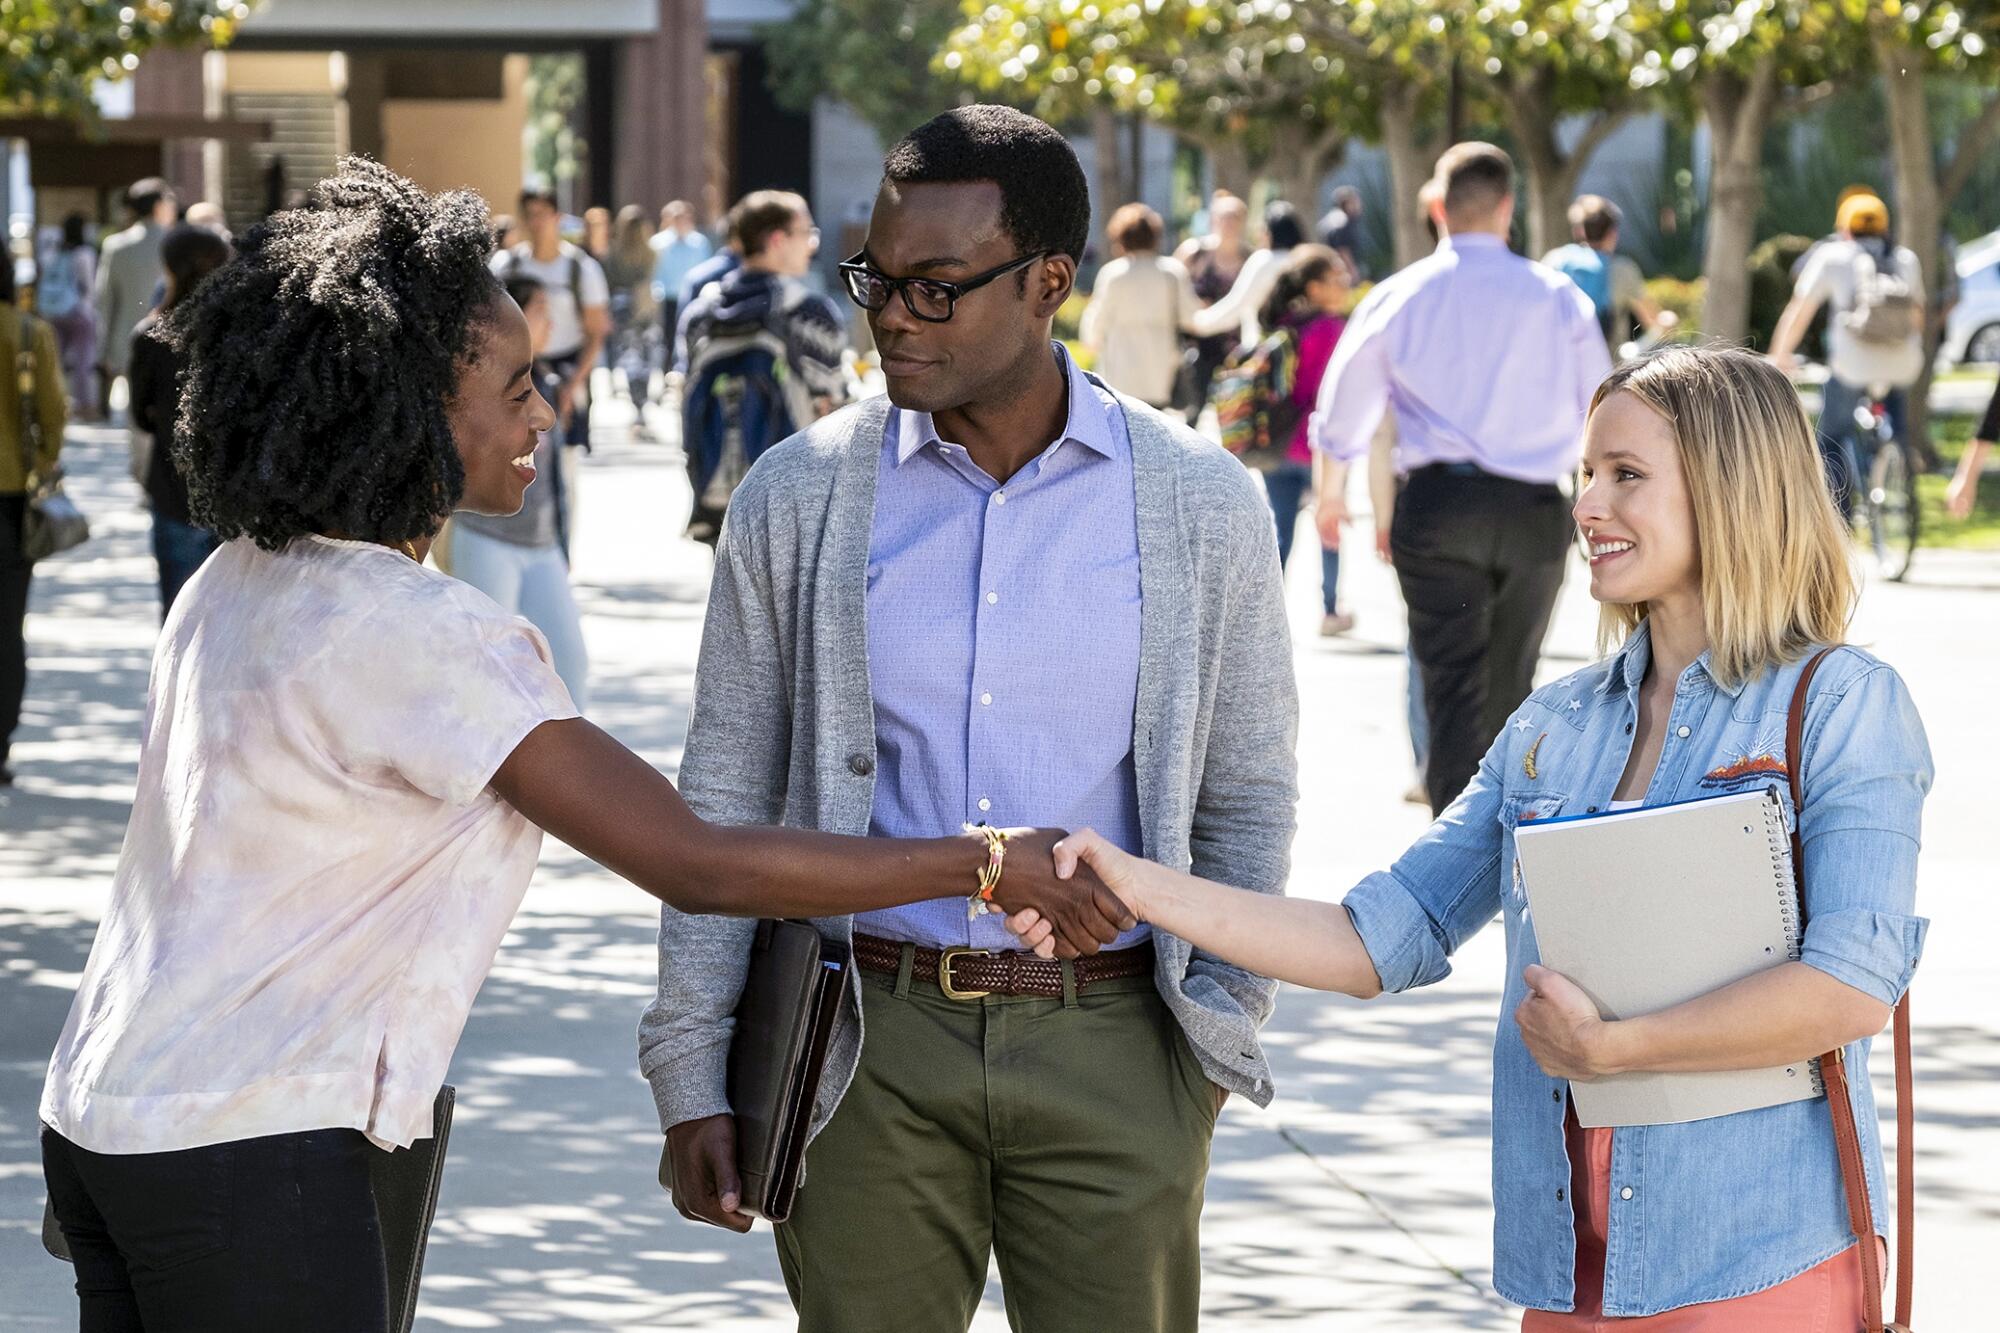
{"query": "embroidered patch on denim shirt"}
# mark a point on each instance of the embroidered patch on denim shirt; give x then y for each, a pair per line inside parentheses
(1746, 768)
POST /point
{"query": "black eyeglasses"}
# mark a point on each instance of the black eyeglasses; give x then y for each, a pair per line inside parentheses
(929, 299)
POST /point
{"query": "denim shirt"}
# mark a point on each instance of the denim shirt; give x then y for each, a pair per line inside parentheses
(1717, 1208)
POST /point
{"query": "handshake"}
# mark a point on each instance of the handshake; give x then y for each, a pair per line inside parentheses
(1066, 895)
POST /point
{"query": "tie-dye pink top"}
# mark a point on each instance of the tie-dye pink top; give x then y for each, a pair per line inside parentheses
(316, 876)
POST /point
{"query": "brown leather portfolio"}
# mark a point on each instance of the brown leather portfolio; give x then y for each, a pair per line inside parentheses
(784, 1022)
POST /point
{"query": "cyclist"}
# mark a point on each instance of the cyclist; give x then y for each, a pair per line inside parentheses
(1875, 339)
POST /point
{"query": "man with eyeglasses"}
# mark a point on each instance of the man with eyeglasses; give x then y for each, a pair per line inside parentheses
(1002, 594)
(763, 353)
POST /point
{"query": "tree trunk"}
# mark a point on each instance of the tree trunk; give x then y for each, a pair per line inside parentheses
(1229, 165)
(1113, 189)
(1919, 211)
(1412, 156)
(1737, 106)
(1300, 161)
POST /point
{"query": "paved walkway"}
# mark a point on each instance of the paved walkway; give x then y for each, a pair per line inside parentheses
(1359, 1201)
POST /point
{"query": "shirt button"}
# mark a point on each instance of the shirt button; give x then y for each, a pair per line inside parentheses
(1555, 1094)
(985, 803)
(1559, 1193)
(999, 497)
(1684, 733)
(986, 699)
(1625, 1193)
(860, 765)
(992, 598)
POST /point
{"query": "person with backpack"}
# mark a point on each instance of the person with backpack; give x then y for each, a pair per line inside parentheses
(1614, 283)
(763, 354)
(1875, 338)
(1265, 394)
(62, 297)
(579, 304)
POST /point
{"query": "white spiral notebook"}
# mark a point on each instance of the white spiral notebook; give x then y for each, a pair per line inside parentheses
(1645, 909)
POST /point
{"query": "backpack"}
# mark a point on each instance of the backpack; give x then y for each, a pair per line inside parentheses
(1253, 400)
(56, 293)
(1590, 270)
(1885, 313)
(739, 399)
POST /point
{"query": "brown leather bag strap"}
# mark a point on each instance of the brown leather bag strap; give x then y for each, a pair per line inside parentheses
(1833, 1072)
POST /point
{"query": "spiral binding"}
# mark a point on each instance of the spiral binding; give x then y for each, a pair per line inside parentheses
(1786, 882)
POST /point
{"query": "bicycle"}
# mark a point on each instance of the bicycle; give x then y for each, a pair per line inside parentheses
(1877, 480)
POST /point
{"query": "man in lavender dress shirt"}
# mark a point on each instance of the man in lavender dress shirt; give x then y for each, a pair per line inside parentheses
(1488, 362)
(1005, 594)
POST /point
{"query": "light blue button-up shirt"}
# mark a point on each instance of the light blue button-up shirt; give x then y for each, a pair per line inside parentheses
(1715, 1208)
(1003, 646)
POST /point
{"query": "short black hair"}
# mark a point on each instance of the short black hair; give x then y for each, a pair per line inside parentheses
(1282, 226)
(538, 194)
(144, 195)
(322, 361)
(190, 254)
(1044, 198)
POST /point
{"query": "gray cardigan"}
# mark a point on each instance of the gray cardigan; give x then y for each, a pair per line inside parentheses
(783, 729)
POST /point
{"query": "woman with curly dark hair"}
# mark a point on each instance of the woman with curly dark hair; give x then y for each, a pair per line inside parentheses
(348, 762)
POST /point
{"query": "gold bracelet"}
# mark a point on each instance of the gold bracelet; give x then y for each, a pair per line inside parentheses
(981, 901)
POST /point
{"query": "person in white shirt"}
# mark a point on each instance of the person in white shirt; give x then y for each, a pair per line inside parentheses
(347, 765)
(1139, 306)
(1487, 362)
(1874, 339)
(1237, 311)
(579, 304)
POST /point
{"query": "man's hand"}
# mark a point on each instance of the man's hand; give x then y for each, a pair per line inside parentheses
(1330, 514)
(702, 1158)
(1084, 913)
(1962, 494)
(566, 399)
(1115, 868)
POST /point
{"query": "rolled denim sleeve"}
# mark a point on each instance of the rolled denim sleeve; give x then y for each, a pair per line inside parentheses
(1413, 916)
(1867, 771)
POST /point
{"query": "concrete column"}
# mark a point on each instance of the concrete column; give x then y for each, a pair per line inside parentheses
(169, 82)
(661, 125)
(367, 88)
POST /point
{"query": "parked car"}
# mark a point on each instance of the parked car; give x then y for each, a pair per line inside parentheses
(1972, 331)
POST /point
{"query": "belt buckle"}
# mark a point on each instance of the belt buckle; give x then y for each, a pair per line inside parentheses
(945, 960)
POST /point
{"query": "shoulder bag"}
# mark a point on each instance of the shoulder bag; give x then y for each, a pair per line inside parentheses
(1833, 1071)
(51, 522)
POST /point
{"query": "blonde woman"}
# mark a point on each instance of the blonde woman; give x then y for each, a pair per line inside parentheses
(1722, 567)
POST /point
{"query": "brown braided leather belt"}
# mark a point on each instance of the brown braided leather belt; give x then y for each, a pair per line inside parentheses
(968, 974)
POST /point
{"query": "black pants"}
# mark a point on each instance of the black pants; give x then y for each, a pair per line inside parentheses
(257, 1235)
(1480, 560)
(14, 575)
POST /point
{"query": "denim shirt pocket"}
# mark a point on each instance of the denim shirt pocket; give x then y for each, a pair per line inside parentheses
(1516, 811)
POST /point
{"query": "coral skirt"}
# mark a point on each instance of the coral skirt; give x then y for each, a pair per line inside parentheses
(1824, 1299)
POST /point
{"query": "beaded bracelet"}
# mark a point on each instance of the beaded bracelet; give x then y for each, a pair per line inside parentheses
(981, 901)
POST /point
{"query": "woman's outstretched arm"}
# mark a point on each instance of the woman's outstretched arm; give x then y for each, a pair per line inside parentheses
(581, 785)
(1289, 939)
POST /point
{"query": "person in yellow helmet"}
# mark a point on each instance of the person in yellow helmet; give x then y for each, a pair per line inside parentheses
(1875, 336)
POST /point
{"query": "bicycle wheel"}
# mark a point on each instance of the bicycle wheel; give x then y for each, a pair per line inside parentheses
(1892, 509)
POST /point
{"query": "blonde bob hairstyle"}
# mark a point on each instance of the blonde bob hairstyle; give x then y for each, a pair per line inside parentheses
(1775, 574)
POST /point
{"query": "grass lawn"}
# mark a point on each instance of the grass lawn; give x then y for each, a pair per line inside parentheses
(1980, 532)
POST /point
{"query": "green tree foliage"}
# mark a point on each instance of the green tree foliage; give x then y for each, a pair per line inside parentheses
(874, 55)
(53, 52)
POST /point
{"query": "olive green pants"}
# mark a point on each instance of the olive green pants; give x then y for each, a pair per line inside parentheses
(1068, 1138)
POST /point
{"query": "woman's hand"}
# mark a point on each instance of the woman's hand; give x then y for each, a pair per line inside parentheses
(1561, 1027)
(1078, 912)
(1116, 868)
